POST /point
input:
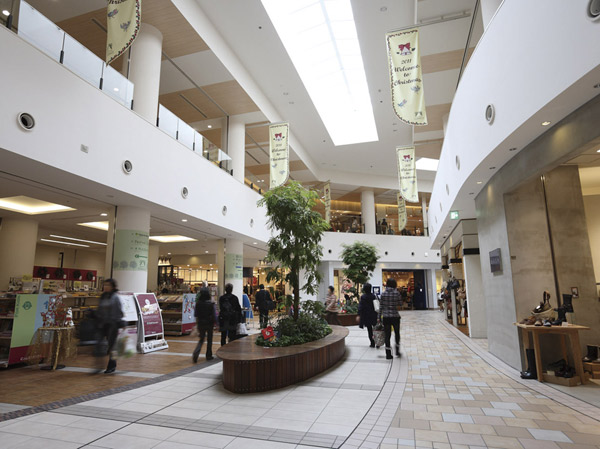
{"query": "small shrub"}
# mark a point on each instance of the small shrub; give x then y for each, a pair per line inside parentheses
(308, 327)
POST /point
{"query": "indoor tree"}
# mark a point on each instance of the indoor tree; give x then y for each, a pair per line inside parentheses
(297, 232)
(360, 259)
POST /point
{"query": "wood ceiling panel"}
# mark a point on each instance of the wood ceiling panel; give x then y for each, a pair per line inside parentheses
(190, 105)
(179, 38)
(213, 135)
(231, 97)
(263, 169)
(429, 148)
(435, 118)
(259, 134)
(448, 60)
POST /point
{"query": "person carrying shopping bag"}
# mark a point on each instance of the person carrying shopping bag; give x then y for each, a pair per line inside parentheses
(389, 304)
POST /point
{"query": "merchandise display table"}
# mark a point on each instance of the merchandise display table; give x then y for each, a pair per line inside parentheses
(248, 368)
(572, 331)
(52, 344)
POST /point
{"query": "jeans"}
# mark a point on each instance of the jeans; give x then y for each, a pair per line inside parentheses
(204, 331)
(264, 318)
(388, 323)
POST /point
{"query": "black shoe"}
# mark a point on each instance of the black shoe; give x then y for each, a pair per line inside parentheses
(195, 358)
(398, 351)
(209, 357)
(372, 345)
(388, 354)
(110, 371)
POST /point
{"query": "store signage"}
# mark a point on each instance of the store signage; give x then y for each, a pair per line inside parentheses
(454, 215)
(402, 219)
(495, 261)
(279, 151)
(128, 306)
(150, 313)
(407, 174)
(327, 194)
(130, 250)
(404, 61)
(234, 266)
(123, 21)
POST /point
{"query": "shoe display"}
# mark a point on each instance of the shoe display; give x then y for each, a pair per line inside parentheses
(547, 323)
(538, 322)
(592, 354)
(568, 303)
(544, 305)
(531, 372)
(528, 321)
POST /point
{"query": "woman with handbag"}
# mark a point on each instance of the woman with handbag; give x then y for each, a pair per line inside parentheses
(109, 318)
(367, 313)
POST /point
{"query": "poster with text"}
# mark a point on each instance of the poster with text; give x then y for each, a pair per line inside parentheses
(150, 313)
(407, 174)
(130, 250)
(234, 266)
(327, 192)
(279, 151)
(402, 219)
(128, 306)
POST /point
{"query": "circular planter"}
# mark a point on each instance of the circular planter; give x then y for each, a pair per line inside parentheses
(347, 319)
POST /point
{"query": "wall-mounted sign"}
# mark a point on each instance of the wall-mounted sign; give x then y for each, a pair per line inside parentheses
(454, 215)
(495, 261)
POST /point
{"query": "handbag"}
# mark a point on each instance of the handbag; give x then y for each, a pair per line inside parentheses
(379, 334)
(376, 305)
(241, 329)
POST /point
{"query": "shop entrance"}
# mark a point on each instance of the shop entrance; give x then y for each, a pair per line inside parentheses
(412, 287)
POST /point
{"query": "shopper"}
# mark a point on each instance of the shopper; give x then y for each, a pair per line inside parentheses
(332, 308)
(390, 302)
(366, 312)
(230, 314)
(109, 319)
(263, 301)
(205, 314)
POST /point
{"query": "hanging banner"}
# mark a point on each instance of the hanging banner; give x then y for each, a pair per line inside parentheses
(401, 212)
(327, 191)
(122, 26)
(407, 174)
(279, 151)
(404, 60)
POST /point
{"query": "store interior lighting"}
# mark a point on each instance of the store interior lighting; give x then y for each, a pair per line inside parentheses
(31, 206)
(64, 243)
(76, 240)
(172, 238)
(102, 225)
(321, 40)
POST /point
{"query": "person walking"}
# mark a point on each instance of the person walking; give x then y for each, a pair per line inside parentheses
(205, 314)
(230, 314)
(389, 304)
(366, 312)
(263, 301)
(332, 308)
(109, 319)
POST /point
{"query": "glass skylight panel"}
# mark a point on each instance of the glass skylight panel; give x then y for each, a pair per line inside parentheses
(321, 40)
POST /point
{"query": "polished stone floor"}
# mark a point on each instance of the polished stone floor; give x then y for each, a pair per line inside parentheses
(445, 392)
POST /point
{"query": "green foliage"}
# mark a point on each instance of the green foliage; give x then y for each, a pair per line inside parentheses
(351, 307)
(304, 329)
(314, 308)
(298, 230)
(360, 259)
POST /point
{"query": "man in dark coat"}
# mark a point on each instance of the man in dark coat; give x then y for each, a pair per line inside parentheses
(263, 301)
(366, 311)
(205, 313)
(230, 314)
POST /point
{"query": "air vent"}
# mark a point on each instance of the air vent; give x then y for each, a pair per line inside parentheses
(490, 113)
(593, 11)
(26, 121)
(127, 167)
(184, 192)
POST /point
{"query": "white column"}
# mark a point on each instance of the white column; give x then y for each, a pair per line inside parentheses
(130, 254)
(18, 241)
(234, 266)
(153, 254)
(367, 203)
(488, 9)
(376, 279)
(221, 267)
(108, 258)
(236, 146)
(144, 71)
(475, 296)
(326, 270)
(425, 218)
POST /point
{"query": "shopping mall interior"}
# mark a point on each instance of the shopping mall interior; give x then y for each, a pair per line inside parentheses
(150, 170)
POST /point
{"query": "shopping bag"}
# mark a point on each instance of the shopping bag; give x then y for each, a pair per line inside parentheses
(126, 344)
(379, 335)
(376, 305)
(241, 329)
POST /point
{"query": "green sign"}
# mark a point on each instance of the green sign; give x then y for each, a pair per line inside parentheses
(234, 264)
(454, 215)
(130, 251)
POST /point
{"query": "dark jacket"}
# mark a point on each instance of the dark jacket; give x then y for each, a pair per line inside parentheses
(205, 311)
(230, 312)
(109, 310)
(263, 300)
(366, 310)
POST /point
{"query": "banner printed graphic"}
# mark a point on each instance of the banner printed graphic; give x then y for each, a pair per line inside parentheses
(407, 174)
(123, 21)
(327, 191)
(406, 78)
(279, 151)
(402, 219)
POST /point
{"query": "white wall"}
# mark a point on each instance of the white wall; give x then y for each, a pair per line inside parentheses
(70, 112)
(592, 216)
(48, 256)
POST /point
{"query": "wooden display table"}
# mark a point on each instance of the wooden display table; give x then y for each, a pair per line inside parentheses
(249, 368)
(572, 331)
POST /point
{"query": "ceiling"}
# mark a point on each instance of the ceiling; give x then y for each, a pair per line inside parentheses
(199, 89)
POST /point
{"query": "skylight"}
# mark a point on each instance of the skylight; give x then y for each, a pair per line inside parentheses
(427, 164)
(321, 40)
(31, 206)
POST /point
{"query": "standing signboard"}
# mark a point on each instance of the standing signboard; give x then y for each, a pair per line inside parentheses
(151, 333)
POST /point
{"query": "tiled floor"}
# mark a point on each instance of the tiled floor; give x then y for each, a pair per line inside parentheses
(445, 392)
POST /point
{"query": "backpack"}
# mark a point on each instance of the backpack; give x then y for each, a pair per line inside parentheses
(205, 312)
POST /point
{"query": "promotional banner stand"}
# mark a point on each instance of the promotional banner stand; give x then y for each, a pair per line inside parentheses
(151, 334)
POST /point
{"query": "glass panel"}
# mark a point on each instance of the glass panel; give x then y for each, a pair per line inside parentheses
(186, 135)
(82, 62)
(167, 121)
(39, 31)
(198, 142)
(117, 86)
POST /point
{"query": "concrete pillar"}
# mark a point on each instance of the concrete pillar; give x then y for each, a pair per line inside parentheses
(18, 241)
(153, 255)
(221, 266)
(144, 71)
(475, 296)
(110, 235)
(130, 254)
(367, 204)
(236, 146)
(488, 9)
(326, 270)
(376, 279)
(425, 218)
(234, 266)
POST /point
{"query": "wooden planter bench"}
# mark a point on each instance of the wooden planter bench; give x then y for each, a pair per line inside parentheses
(249, 368)
(347, 319)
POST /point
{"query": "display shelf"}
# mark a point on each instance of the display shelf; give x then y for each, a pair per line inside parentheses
(178, 313)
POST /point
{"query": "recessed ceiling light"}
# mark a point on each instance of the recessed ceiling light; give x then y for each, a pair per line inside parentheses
(322, 42)
(172, 238)
(255, 243)
(168, 254)
(31, 206)
(102, 225)
(116, 89)
(479, 182)
(209, 126)
(6, 12)
(76, 240)
(184, 220)
(206, 252)
(546, 123)
(597, 151)
(104, 214)
(427, 164)
(64, 243)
